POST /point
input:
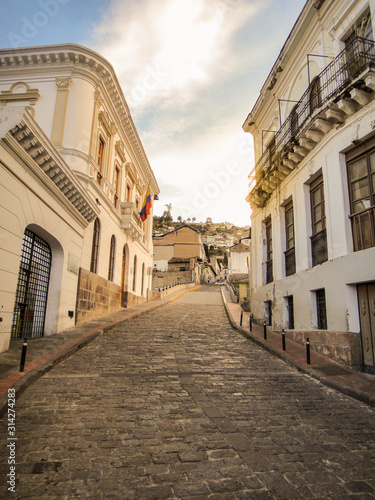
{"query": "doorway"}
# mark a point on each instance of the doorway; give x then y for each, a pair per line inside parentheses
(32, 287)
(366, 303)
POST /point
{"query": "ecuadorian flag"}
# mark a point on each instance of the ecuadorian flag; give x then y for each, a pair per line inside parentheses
(147, 204)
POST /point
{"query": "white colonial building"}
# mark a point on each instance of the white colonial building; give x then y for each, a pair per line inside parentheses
(312, 191)
(74, 175)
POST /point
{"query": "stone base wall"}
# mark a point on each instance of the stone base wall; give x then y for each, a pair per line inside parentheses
(345, 348)
(342, 347)
(96, 296)
(130, 299)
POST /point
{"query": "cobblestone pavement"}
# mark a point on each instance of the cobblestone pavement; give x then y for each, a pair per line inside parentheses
(177, 404)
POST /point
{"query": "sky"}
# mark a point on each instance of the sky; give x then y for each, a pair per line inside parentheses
(190, 70)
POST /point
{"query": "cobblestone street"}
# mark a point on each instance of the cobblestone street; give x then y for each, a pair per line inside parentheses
(177, 404)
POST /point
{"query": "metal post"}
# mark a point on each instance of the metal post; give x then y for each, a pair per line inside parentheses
(241, 318)
(308, 351)
(23, 355)
(283, 338)
(265, 331)
(251, 322)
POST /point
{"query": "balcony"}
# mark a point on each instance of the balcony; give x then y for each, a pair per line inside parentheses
(131, 221)
(340, 90)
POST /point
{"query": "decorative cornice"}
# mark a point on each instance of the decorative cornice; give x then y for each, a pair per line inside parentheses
(28, 141)
(77, 58)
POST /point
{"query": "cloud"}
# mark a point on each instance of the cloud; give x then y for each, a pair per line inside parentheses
(184, 66)
(167, 52)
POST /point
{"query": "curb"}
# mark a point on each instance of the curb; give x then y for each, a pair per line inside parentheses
(23, 381)
(332, 384)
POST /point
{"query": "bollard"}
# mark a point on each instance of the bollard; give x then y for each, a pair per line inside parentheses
(251, 322)
(308, 351)
(23, 355)
(265, 331)
(241, 318)
(283, 339)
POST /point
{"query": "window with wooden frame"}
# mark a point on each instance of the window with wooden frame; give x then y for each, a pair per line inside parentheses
(269, 251)
(318, 220)
(128, 192)
(116, 182)
(111, 266)
(289, 254)
(100, 158)
(361, 179)
(95, 247)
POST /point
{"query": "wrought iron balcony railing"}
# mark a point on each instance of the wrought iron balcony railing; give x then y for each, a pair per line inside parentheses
(357, 56)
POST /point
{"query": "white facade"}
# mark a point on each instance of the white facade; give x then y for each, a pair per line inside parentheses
(239, 259)
(309, 266)
(72, 156)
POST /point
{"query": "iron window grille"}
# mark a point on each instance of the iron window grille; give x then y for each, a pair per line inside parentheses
(135, 273)
(318, 219)
(321, 311)
(268, 312)
(269, 260)
(290, 312)
(95, 247)
(32, 288)
(112, 258)
(289, 254)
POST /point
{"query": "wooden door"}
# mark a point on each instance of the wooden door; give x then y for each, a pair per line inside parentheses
(366, 300)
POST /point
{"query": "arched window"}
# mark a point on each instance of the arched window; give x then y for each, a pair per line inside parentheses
(134, 272)
(112, 258)
(315, 94)
(95, 247)
(143, 278)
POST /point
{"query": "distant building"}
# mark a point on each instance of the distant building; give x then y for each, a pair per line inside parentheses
(312, 191)
(239, 261)
(74, 175)
(177, 256)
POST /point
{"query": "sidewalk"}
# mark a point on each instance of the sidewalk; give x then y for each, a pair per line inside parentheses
(46, 352)
(357, 385)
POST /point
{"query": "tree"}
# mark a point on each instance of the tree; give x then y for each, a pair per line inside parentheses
(179, 218)
(193, 219)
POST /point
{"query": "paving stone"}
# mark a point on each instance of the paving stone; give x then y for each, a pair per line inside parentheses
(176, 404)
